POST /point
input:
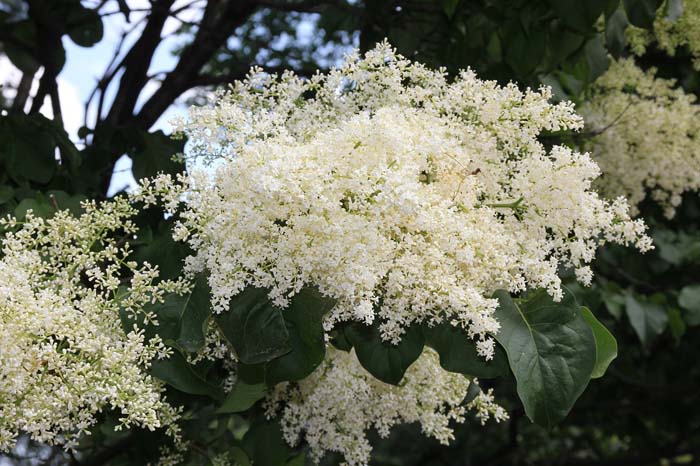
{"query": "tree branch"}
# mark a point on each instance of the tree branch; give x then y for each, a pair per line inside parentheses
(221, 17)
(136, 64)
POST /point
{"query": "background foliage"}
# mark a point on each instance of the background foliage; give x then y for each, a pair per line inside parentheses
(643, 412)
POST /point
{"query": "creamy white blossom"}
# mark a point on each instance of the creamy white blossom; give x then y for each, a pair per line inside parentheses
(335, 406)
(670, 32)
(64, 356)
(646, 132)
(402, 195)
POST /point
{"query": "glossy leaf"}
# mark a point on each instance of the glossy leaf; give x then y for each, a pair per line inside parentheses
(254, 327)
(457, 352)
(385, 361)
(176, 372)
(303, 320)
(551, 351)
(195, 311)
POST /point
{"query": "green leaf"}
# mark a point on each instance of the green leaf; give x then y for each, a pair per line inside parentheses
(63, 200)
(472, 392)
(157, 247)
(596, 57)
(449, 7)
(239, 456)
(40, 208)
(242, 397)
(304, 322)
(641, 13)
(254, 327)
(385, 361)
(614, 302)
(21, 50)
(676, 324)
(689, 300)
(29, 149)
(615, 26)
(84, 26)
(265, 444)
(176, 372)
(606, 345)
(526, 51)
(647, 319)
(6, 193)
(457, 352)
(551, 351)
(193, 316)
(299, 460)
(577, 14)
(563, 43)
(340, 340)
(153, 154)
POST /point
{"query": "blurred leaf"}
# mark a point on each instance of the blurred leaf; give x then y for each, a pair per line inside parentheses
(596, 57)
(265, 444)
(242, 396)
(580, 15)
(641, 13)
(22, 49)
(84, 26)
(29, 151)
(647, 319)
(676, 324)
(689, 299)
(40, 208)
(153, 154)
(525, 52)
(449, 7)
(615, 27)
(6, 193)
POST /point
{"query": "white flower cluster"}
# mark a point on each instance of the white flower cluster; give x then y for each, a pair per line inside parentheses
(335, 406)
(401, 195)
(64, 356)
(670, 33)
(646, 133)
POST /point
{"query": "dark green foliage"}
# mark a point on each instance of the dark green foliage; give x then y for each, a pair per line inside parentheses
(384, 360)
(642, 411)
(458, 352)
(303, 320)
(254, 326)
(551, 350)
